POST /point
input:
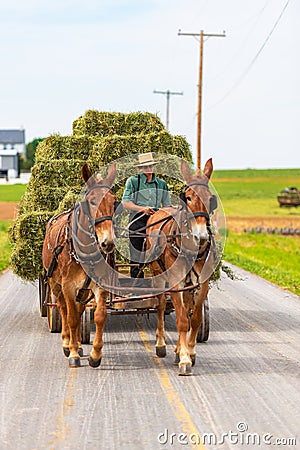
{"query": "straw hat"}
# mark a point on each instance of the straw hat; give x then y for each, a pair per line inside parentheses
(146, 159)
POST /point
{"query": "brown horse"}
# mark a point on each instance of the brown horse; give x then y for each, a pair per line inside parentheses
(186, 259)
(75, 242)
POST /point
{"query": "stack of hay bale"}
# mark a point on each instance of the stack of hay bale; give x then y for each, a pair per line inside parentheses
(98, 138)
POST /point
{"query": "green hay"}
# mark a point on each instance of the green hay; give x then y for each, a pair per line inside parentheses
(64, 147)
(98, 139)
(98, 123)
(28, 232)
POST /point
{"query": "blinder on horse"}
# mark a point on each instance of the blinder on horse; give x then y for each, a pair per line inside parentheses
(86, 209)
(213, 201)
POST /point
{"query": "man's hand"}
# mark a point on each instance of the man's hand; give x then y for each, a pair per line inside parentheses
(148, 211)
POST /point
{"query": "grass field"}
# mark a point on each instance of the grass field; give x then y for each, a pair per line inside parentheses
(11, 192)
(275, 258)
(5, 247)
(248, 196)
(251, 195)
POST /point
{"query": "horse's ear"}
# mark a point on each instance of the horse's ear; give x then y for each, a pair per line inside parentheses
(208, 168)
(86, 173)
(185, 171)
(111, 174)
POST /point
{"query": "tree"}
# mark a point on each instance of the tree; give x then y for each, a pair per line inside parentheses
(31, 147)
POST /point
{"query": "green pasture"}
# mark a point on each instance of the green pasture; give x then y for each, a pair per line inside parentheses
(11, 192)
(253, 193)
(275, 258)
(5, 246)
(257, 207)
(246, 184)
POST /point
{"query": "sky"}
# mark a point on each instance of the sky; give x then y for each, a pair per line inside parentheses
(61, 58)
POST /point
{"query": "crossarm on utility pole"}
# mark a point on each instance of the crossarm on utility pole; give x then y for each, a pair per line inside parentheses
(199, 121)
(167, 93)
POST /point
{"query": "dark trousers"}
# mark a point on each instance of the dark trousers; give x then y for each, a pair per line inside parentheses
(137, 254)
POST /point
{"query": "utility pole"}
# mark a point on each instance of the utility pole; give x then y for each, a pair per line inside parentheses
(167, 93)
(199, 122)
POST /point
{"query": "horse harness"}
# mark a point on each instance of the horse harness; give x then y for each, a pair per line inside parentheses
(70, 236)
(182, 214)
(183, 219)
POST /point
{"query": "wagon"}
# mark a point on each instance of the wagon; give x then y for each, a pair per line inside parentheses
(289, 197)
(97, 138)
(116, 305)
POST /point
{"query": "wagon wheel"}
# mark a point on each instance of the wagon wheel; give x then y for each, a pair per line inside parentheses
(86, 326)
(203, 332)
(43, 296)
(54, 317)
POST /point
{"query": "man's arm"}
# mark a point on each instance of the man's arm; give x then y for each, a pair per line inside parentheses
(143, 209)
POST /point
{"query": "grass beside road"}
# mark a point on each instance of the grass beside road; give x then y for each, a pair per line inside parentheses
(275, 258)
(5, 246)
(252, 194)
(11, 192)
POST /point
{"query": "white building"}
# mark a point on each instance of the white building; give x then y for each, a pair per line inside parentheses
(12, 143)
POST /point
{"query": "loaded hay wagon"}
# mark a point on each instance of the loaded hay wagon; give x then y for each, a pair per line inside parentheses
(289, 197)
(98, 139)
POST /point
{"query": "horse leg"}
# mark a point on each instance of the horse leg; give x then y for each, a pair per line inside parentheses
(73, 318)
(182, 324)
(65, 331)
(62, 307)
(196, 320)
(81, 311)
(100, 317)
(160, 345)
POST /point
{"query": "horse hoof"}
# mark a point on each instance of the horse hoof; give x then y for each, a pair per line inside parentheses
(66, 351)
(80, 351)
(94, 362)
(185, 369)
(161, 352)
(177, 358)
(74, 361)
(193, 358)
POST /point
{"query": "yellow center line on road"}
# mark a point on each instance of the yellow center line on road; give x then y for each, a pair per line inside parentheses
(63, 431)
(180, 411)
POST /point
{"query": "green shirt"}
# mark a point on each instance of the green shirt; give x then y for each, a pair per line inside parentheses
(154, 194)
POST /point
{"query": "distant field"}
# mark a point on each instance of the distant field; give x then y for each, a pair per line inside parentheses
(253, 193)
(11, 192)
(249, 200)
(5, 247)
(275, 258)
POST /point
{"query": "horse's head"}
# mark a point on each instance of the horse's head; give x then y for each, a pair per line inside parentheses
(199, 201)
(100, 200)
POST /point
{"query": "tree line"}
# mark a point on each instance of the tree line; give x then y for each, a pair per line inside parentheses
(27, 161)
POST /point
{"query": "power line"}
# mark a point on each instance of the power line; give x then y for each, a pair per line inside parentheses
(246, 38)
(243, 75)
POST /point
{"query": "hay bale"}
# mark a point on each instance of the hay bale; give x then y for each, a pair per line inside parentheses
(64, 147)
(98, 138)
(98, 123)
(57, 173)
(28, 232)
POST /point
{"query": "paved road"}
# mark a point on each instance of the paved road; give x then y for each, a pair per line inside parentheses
(245, 383)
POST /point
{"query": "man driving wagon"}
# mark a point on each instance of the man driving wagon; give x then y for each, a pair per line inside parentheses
(143, 195)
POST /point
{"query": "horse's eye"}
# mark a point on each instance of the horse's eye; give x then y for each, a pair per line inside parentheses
(189, 199)
(92, 203)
